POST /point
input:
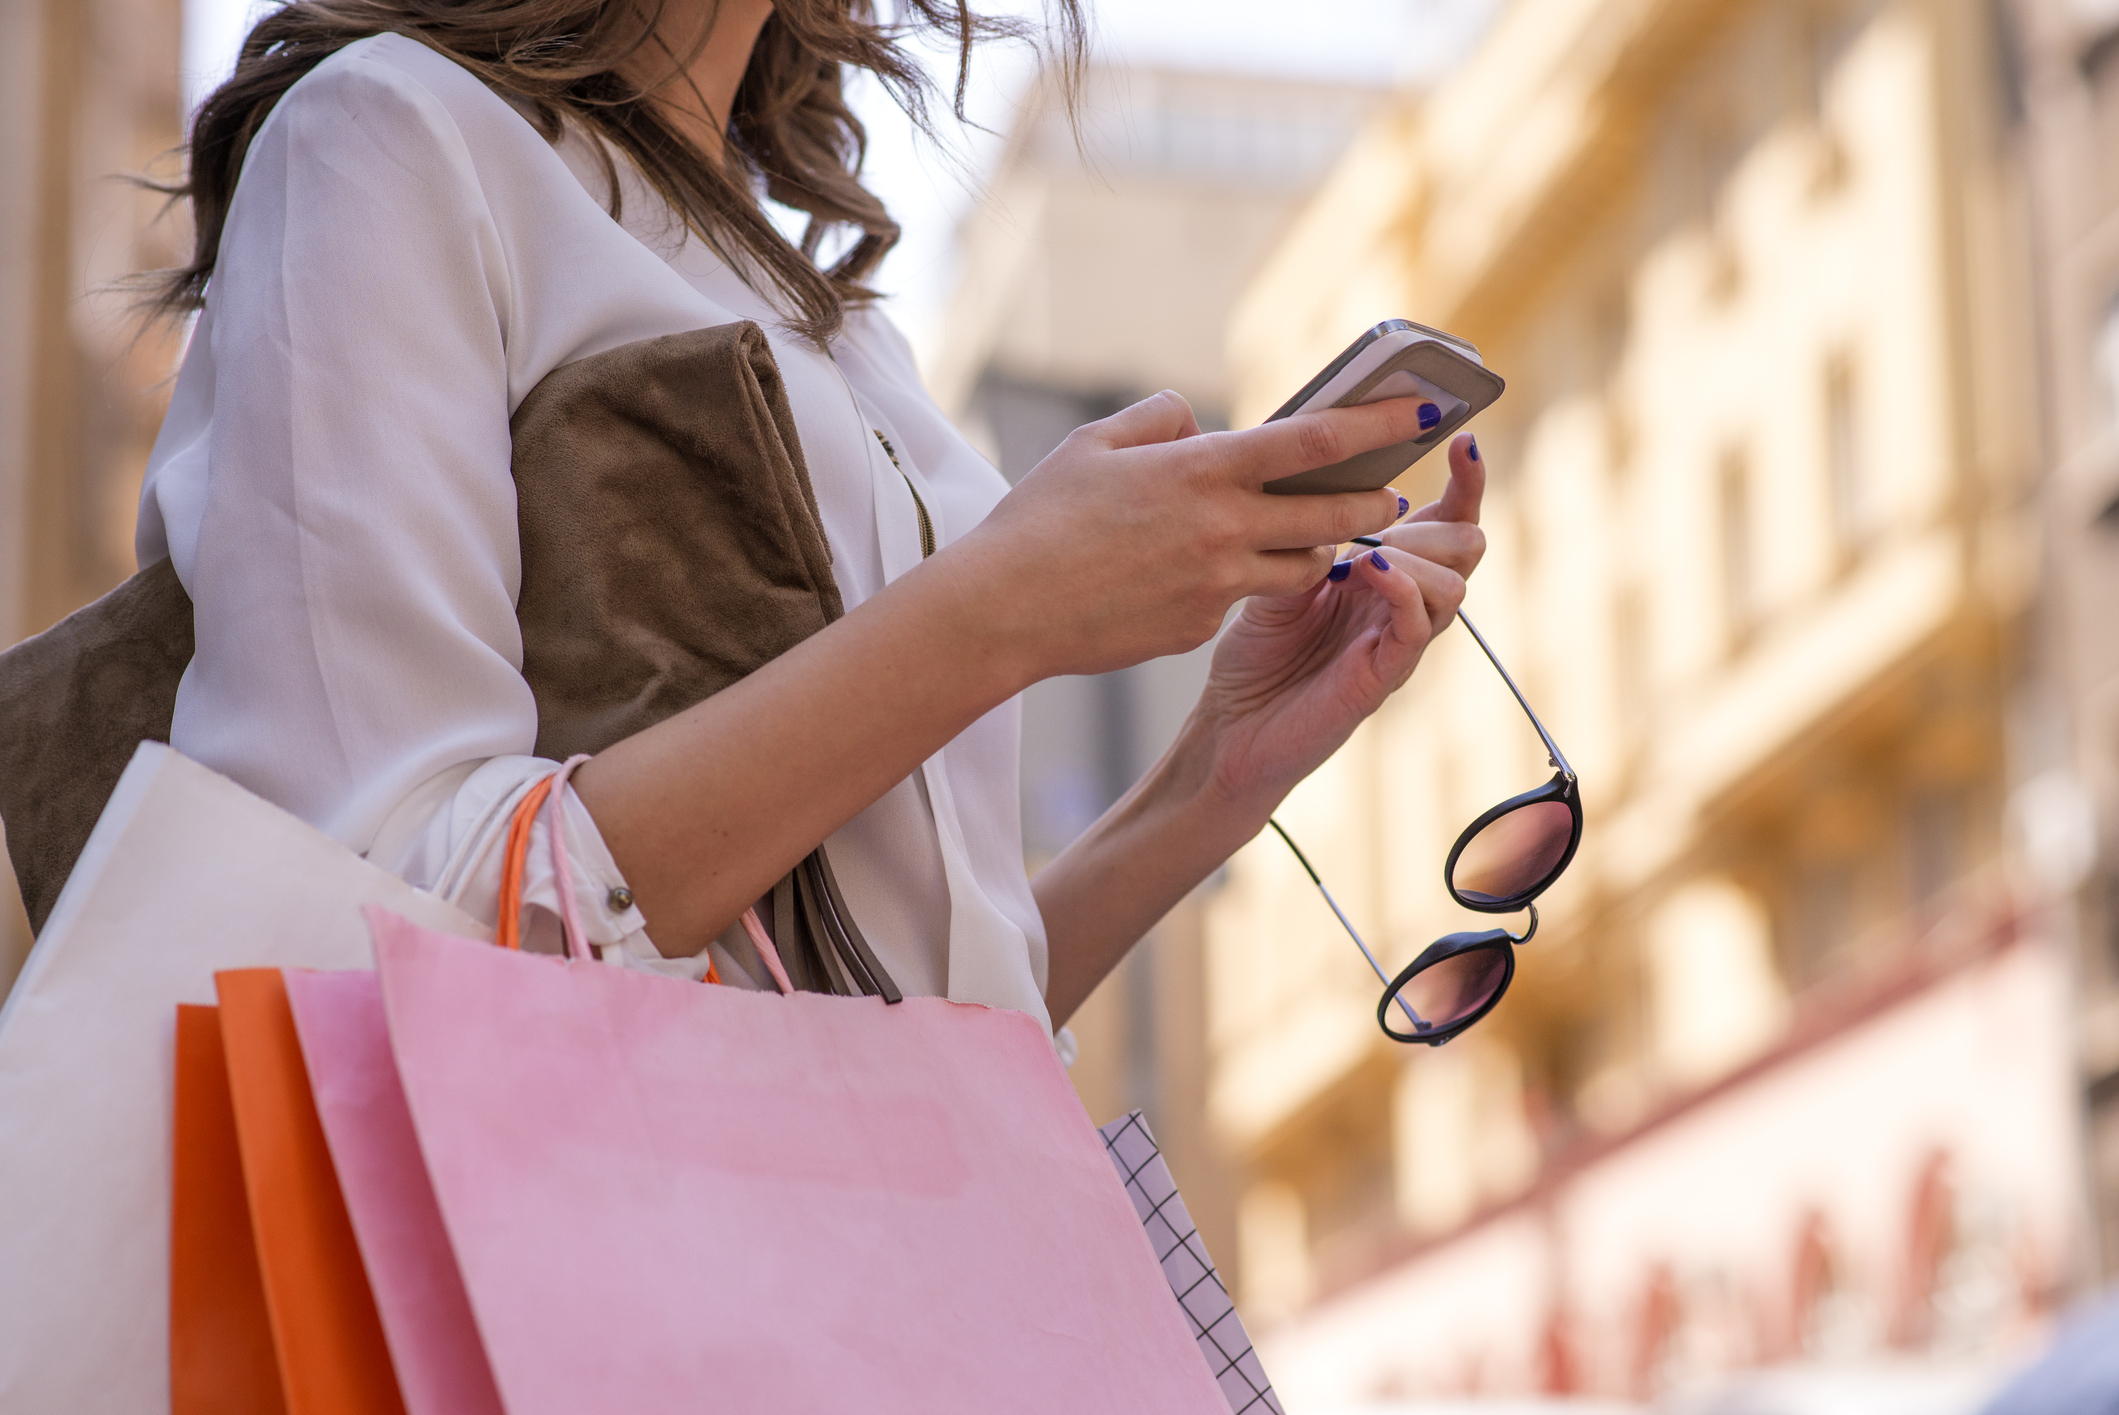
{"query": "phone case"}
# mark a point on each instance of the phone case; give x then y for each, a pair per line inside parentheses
(1471, 386)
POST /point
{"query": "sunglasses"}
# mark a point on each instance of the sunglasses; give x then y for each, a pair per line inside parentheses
(1501, 863)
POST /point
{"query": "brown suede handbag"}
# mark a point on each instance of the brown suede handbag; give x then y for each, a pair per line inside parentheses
(671, 544)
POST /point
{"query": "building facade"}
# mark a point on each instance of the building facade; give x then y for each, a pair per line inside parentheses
(2069, 62)
(1788, 1077)
(89, 93)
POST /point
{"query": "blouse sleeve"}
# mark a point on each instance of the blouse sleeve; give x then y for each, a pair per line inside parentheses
(344, 515)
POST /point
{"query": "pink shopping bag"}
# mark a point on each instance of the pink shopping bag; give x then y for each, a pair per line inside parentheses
(578, 1188)
(434, 1344)
(661, 1195)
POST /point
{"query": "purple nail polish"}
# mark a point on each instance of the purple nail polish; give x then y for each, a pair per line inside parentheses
(1403, 505)
(1475, 449)
(1376, 559)
(1429, 416)
(1339, 571)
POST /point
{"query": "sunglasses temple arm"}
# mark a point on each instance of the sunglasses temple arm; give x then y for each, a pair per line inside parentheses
(1559, 758)
(1351, 932)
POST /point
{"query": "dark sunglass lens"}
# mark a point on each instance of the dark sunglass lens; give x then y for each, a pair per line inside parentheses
(1514, 854)
(1457, 987)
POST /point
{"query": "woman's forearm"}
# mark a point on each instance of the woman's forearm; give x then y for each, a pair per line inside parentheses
(1074, 572)
(704, 811)
(1106, 890)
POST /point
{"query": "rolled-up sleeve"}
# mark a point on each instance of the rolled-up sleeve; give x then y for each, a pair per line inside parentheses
(353, 556)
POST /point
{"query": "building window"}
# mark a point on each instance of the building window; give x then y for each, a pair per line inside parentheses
(1830, 33)
(2106, 362)
(1819, 921)
(1658, 1329)
(2107, 368)
(1636, 697)
(1843, 463)
(1934, 829)
(1739, 573)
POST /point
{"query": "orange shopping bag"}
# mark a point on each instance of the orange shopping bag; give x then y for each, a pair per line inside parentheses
(332, 1356)
(220, 1339)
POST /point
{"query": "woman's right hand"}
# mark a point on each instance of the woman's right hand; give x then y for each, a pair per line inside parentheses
(1130, 541)
(1136, 535)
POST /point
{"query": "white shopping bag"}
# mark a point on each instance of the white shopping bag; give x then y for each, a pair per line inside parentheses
(186, 873)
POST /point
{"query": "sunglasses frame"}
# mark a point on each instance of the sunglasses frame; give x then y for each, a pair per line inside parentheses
(1441, 951)
(1563, 787)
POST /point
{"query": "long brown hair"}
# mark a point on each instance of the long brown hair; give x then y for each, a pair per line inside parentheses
(790, 129)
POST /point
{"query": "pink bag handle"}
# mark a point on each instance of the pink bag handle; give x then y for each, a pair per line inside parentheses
(569, 916)
(763, 942)
(552, 791)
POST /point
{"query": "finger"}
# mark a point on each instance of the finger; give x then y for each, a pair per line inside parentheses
(1303, 443)
(1458, 545)
(1412, 617)
(1328, 519)
(1287, 572)
(1441, 588)
(1166, 417)
(1467, 485)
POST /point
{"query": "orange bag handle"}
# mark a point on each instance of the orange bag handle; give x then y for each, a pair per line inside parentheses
(509, 930)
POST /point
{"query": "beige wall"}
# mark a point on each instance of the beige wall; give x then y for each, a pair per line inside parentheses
(88, 92)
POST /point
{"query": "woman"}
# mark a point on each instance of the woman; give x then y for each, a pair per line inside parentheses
(440, 201)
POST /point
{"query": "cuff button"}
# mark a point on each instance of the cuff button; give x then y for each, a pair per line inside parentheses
(620, 900)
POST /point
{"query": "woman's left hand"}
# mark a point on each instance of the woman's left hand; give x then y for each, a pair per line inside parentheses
(1294, 675)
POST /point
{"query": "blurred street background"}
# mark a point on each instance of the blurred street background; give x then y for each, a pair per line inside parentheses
(1804, 531)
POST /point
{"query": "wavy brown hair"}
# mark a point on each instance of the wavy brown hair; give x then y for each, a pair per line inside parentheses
(789, 132)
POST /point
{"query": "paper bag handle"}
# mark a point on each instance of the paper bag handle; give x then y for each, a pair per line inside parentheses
(508, 931)
(762, 941)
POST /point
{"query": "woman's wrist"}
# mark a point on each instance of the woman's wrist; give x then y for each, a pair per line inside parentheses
(1174, 828)
(986, 635)
(1205, 766)
(1190, 796)
(951, 593)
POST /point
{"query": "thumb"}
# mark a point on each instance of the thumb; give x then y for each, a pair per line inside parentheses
(1466, 489)
(1165, 417)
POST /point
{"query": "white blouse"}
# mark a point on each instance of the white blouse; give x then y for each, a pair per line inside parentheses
(404, 259)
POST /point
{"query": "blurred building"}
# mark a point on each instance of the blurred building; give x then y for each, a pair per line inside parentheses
(89, 92)
(1091, 277)
(1789, 1077)
(2070, 141)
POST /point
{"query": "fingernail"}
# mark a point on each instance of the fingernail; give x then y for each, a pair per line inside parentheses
(1429, 415)
(1376, 559)
(1340, 571)
(1475, 449)
(1404, 506)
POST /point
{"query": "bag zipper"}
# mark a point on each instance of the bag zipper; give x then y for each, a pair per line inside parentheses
(926, 524)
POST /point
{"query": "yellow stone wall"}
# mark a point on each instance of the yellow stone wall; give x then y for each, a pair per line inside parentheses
(1751, 270)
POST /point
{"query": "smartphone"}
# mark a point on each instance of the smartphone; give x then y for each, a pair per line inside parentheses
(1396, 359)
